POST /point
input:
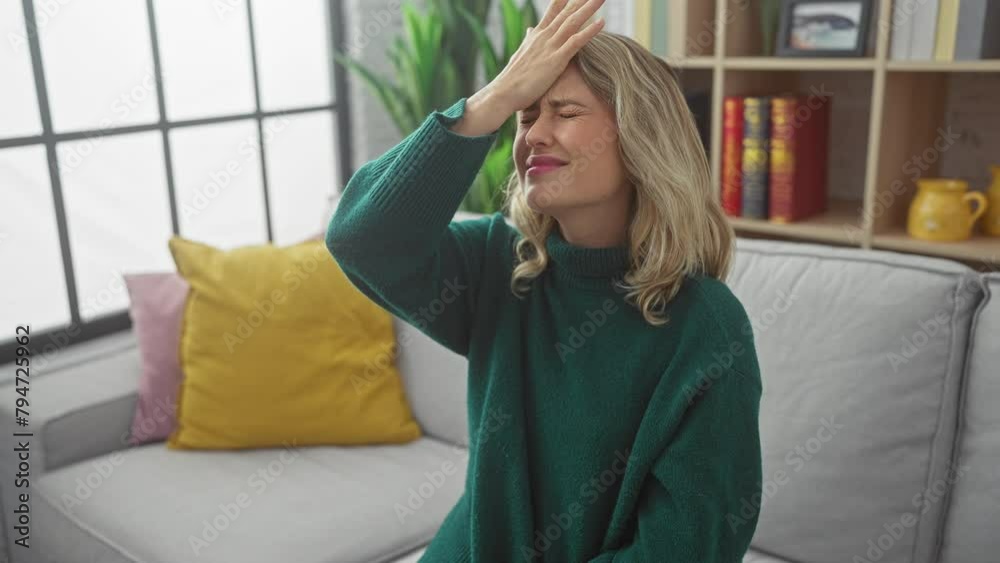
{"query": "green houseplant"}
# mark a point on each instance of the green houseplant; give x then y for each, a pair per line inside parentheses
(435, 64)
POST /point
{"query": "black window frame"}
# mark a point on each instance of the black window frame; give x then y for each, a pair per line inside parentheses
(78, 330)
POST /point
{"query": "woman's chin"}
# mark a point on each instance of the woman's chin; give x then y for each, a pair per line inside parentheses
(539, 197)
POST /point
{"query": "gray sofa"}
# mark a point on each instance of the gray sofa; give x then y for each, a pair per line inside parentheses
(879, 422)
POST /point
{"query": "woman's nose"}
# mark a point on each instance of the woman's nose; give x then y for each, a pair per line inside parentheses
(539, 131)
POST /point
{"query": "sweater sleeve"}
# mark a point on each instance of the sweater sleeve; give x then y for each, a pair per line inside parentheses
(701, 500)
(393, 236)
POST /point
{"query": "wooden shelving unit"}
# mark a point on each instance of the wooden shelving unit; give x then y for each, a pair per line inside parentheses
(979, 249)
(839, 225)
(778, 63)
(885, 112)
(934, 66)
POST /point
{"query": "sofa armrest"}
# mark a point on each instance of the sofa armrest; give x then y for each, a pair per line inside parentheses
(79, 408)
(81, 402)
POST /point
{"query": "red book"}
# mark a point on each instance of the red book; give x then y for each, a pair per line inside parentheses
(732, 156)
(800, 126)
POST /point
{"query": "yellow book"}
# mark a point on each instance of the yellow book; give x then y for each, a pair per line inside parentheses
(947, 29)
(644, 22)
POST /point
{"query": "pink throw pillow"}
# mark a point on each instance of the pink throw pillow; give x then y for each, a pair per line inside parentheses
(156, 309)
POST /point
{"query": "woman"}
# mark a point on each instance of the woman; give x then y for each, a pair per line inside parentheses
(598, 326)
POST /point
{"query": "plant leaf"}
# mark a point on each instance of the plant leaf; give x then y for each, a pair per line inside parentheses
(411, 79)
(450, 87)
(491, 66)
(406, 101)
(513, 28)
(528, 14)
(496, 169)
(381, 87)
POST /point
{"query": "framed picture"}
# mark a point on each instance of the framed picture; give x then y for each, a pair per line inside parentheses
(824, 28)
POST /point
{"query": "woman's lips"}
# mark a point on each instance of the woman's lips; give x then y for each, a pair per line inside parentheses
(542, 169)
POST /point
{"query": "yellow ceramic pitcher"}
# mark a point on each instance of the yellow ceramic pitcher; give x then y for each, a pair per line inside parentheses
(992, 219)
(940, 211)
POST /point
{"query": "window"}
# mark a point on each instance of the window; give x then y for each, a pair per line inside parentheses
(123, 123)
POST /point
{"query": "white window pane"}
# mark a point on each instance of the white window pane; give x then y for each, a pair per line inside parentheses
(117, 209)
(292, 53)
(218, 184)
(32, 282)
(205, 52)
(98, 63)
(18, 104)
(301, 173)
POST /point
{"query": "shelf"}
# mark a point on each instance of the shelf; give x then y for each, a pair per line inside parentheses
(981, 249)
(798, 63)
(691, 62)
(888, 116)
(806, 64)
(944, 66)
(839, 225)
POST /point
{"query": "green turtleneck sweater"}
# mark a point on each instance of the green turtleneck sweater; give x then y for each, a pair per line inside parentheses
(594, 436)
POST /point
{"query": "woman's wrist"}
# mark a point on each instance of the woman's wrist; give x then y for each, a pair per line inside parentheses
(485, 112)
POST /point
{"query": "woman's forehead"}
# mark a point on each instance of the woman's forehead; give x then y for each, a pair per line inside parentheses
(557, 102)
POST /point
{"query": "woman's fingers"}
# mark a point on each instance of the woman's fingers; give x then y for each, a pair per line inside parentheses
(576, 18)
(564, 13)
(578, 40)
(550, 14)
(544, 53)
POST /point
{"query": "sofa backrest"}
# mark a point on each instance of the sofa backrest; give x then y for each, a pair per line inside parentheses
(435, 381)
(861, 356)
(971, 525)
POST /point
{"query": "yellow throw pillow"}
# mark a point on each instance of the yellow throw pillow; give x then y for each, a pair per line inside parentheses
(279, 348)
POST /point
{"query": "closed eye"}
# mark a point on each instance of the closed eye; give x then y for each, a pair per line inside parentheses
(563, 115)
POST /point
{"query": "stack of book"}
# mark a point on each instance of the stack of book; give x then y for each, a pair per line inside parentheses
(774, 156)
(945, 30)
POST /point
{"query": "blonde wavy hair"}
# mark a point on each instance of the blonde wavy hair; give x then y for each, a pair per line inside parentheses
(677, 225)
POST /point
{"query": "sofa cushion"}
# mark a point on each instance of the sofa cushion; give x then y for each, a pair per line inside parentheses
(156, 307)
(970, 531)
(750, 557)
(411, 557)
(310, 504)
(753, 556)
(278, 346)
(861, 356)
